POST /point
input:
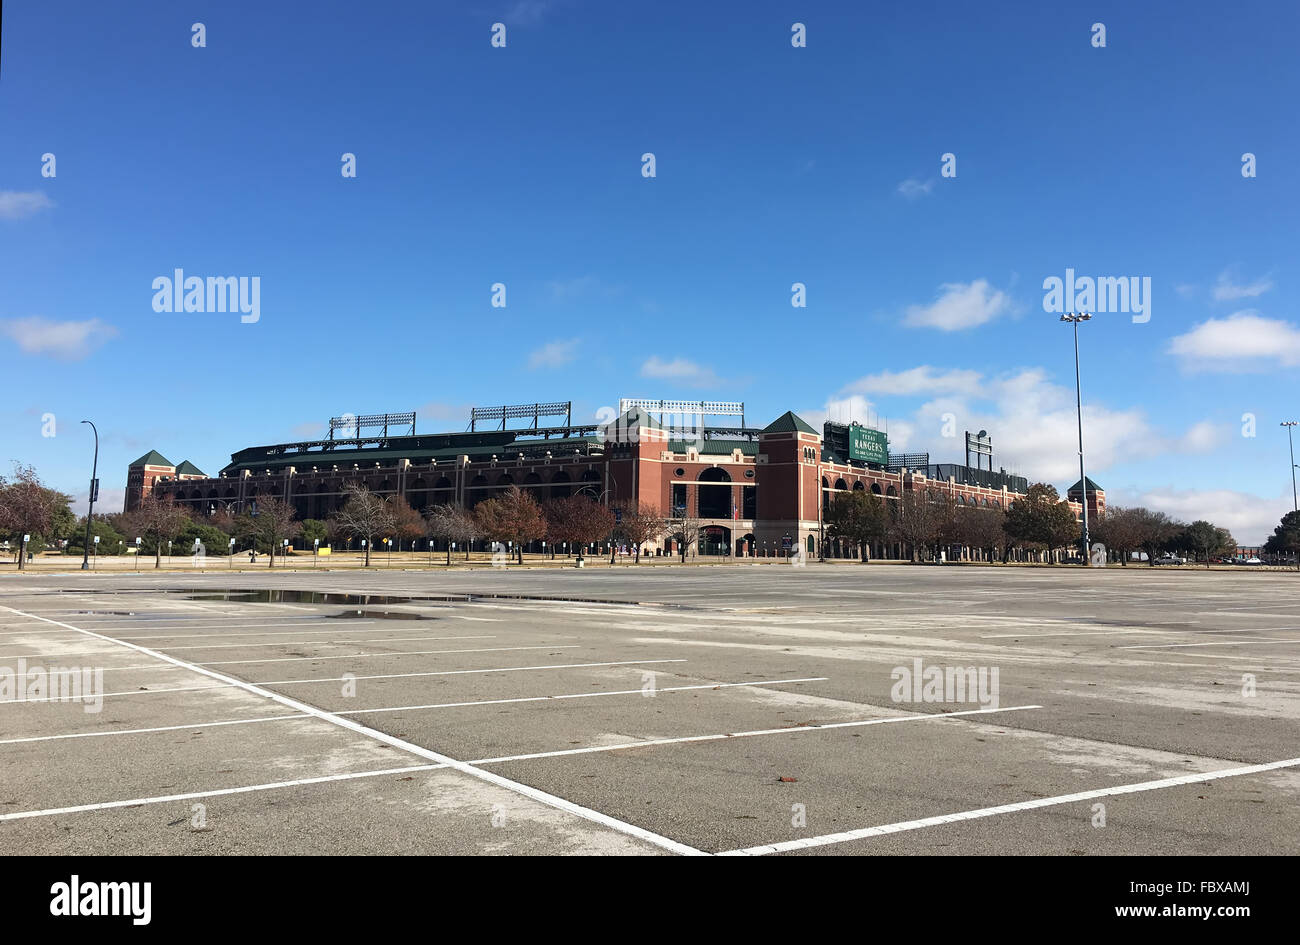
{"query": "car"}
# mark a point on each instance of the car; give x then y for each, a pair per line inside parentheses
(1252, 560)
(1170, 559)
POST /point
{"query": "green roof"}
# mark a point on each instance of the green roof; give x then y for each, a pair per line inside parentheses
(788, 422)
(715, 447)
(1078, 487)
(152, 458)
(186, 468)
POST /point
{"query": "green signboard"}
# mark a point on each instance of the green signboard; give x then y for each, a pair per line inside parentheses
(868, 446)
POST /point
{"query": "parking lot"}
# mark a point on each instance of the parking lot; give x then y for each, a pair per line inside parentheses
(737, 709)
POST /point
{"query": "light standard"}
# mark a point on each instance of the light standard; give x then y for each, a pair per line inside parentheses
(1074, 320)
(1289, 424)
(94, 487)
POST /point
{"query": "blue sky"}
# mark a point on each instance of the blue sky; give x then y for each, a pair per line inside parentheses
(774, 165)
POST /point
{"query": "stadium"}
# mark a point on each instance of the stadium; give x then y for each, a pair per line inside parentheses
(755, 491)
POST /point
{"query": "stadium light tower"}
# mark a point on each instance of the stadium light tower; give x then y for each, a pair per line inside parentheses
(1289, 424)
(1074, 319)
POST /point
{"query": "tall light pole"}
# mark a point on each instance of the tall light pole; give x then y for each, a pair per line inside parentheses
(94, 482)
(1289, 424)
(1074, 319)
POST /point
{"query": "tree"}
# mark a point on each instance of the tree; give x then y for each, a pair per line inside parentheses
(514, 517)
(858, 517)
(915, 521)
(1117, 529)
(363, 515)
(452, 523)
(27, 507)
(271, 520)
(1206, 540)
(314, 530)
(638, 523)
(100, 526)
(981, 528)
(1152, 531)
(1041, 517)
(408, 524)
(576, 521)
(685, 530)
(1285, 539)
(156, 520)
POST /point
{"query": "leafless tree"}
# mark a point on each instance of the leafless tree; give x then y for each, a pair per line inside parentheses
(685, 530)
(158, 519)
(271, 521)
(452, 523)
(363, 515)
(639, 523)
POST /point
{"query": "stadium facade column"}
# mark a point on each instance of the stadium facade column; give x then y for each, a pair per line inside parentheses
(786, 479)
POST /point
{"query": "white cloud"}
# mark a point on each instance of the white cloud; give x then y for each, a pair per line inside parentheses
(917, 380)
(16, 204)
(1031, 419)
(67, 341)
(1251, 518)
(553, 354)
(960, 306)
(913, 188)
(1226, 291)
(1244, 341)
(680, 370)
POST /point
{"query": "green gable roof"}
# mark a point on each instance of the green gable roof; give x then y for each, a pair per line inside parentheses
(186, 468)
(1078, 487)
(152, 458)
(788, 422)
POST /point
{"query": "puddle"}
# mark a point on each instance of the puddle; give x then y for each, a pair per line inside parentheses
(278, 596)
(108, 613)
(381, 615)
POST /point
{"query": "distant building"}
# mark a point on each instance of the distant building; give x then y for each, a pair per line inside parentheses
(753, 490)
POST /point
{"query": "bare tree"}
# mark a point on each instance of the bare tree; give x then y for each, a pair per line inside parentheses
(270, 521)
(158, 519)
(639, 523)
(27, 507)
(363, 515)
(685, 530)
(915, 521)
(452, 523)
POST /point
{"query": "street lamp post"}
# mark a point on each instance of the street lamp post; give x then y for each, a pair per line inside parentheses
(94, 472)
(1074, 319)
(1289, 424)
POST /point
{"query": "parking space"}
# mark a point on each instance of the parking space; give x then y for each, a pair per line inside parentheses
(876, 709)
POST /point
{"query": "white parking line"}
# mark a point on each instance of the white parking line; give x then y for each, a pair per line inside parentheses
(1171, 646)
(235, 626)
(285, 633)
(647, 743)
(324, 679)
(848, 835)
(356, 727)
(232, 646)
(141, 801)
(405, 708)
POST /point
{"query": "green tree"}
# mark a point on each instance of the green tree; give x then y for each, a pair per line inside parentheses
(28, 507)
(1285, 539)
(314, 530)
